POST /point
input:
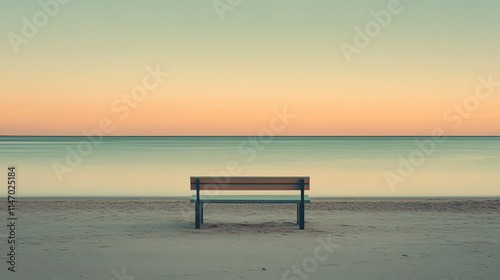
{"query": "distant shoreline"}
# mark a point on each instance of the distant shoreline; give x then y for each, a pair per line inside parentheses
(276, 136)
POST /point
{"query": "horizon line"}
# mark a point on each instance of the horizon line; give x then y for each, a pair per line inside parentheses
(27, 135)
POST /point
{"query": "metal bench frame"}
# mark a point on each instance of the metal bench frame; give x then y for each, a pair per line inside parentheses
(249, 183)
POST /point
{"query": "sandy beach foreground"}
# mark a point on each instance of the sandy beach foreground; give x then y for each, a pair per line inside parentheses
(344, 239)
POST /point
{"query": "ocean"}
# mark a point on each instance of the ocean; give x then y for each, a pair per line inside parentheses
(123, 166)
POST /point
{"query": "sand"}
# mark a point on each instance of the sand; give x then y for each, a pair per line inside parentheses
(126, 239)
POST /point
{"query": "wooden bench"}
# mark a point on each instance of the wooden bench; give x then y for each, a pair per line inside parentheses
(217, 184)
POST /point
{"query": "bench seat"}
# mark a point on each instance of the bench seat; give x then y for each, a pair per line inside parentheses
(250, 199)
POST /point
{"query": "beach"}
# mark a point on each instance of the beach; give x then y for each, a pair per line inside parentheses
(343, 239)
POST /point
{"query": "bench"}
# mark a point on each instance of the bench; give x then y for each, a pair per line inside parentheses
(217, 184)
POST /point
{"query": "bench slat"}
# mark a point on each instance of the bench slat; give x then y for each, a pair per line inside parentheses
(250, 199)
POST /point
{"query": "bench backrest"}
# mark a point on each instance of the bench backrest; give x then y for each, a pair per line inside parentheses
(250, 183)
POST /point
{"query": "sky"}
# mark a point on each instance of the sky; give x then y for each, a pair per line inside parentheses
(225, 67)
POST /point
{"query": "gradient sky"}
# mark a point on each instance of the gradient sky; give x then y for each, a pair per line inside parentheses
(226, 77)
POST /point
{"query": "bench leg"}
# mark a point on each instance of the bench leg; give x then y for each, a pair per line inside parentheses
(302, 216)
(298, 214)
(197, 215)
(201, 213)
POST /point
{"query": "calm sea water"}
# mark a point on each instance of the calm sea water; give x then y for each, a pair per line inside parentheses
(338, 166)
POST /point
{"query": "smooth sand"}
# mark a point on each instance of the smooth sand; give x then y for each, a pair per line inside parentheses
(126, 239)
